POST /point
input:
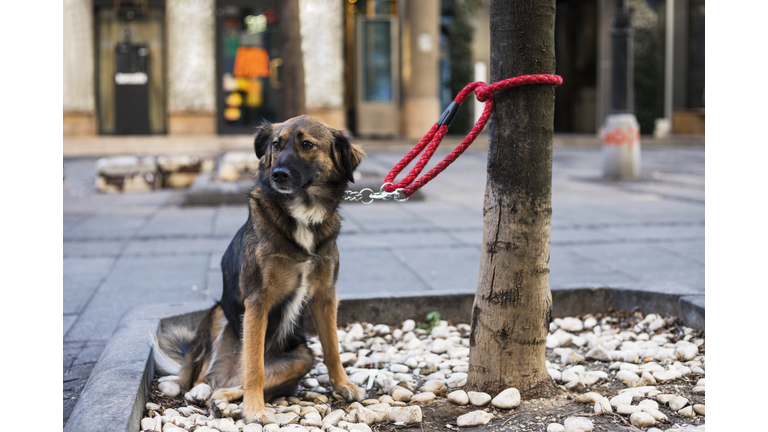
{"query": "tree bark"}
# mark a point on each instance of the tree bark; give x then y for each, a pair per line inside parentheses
(293, 60)
(513, 304)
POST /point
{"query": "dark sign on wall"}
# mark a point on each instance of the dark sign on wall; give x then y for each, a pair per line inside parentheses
(131, 89)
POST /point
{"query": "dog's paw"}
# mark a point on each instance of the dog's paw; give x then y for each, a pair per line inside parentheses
(199, 393)
(260, 416)
(348, 392)
(219, 407)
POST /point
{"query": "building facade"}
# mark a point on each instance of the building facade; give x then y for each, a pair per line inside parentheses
(373, 67)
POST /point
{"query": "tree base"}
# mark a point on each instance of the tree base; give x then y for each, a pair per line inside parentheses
(545, 388)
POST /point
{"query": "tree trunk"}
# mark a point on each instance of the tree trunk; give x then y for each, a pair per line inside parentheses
(293, 60)
(512, 308)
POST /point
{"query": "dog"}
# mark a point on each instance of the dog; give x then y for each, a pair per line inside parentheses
(251, 343)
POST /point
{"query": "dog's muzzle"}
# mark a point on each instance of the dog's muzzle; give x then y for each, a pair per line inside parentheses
(286, 181)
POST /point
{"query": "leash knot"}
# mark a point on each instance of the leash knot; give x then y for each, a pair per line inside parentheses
(483, 92)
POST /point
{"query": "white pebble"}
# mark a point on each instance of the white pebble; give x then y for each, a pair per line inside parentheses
(434, 386)
(648, 404)
(687, 412)
(621, 399)
(400, 394)
(227, 425)
(423, 397)
(474, 418)
(625, 375)
(399, 368)
(407, 415)
(589, 397)
(355, 333)
(641, 419)
(458, 379)
(507, 399)
(147, 424)
(555, 427)
(677, 403)
(578, 424)
(625, 409)
(656, 414)
(458, 397)
(408, 325)
(603, 405)
(251, 427)
(478, 398)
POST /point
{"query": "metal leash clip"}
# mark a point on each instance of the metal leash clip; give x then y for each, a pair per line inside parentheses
(380, 195)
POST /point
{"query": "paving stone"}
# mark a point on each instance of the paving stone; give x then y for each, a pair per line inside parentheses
(180, 222)
(106, 227)
(81, 278)
(87, 248)
(181, 246)
(443, 269)
(140, 280)
(371, 273)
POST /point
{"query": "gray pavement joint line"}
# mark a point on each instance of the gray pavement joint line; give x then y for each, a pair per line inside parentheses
(669, 197)
(606, 265)
(119, 255)
(83, 216)
(679, 255)
(413, 272)
(215, 219)
(74, 358)
(436, 228)
(625, 241)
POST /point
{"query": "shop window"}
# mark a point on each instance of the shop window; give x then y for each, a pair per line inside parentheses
(248, 65)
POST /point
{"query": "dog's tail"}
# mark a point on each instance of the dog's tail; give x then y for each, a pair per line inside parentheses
(170, 348)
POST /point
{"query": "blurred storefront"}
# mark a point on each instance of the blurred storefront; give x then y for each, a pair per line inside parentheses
(373, 67)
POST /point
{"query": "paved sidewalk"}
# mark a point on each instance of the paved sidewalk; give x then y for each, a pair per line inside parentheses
(126, 250)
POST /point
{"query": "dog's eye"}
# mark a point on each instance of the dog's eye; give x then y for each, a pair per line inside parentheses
(275, 145)
(307, 145)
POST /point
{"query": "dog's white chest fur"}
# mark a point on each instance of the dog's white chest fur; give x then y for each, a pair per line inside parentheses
(295, 304)
(305, 216)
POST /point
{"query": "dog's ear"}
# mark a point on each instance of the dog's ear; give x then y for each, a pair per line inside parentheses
(262, 139)
(346, 156)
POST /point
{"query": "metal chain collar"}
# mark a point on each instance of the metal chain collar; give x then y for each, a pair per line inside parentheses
(367, 195)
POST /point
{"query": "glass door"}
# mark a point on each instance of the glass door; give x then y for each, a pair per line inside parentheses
(248, 64)
(129, 68)
(377, 76)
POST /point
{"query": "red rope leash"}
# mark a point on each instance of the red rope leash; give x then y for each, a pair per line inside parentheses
(432, 139)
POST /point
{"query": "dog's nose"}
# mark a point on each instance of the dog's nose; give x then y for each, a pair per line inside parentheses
(280, 175)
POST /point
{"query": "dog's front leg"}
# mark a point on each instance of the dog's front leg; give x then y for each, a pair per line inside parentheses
(254, 333)
(323, 309)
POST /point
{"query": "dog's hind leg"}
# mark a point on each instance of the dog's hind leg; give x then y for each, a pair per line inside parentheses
(282, 377)
(284, 372)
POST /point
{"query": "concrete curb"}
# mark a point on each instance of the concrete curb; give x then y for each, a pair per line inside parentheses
(114, 397)
(119, 384)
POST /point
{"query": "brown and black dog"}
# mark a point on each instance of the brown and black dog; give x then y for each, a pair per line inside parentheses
(251, 343)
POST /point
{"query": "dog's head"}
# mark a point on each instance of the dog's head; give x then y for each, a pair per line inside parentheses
(304, 154)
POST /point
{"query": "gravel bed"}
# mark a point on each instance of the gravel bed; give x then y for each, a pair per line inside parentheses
(616, 372)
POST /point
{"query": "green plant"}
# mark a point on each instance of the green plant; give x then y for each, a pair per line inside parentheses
(432, 319)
